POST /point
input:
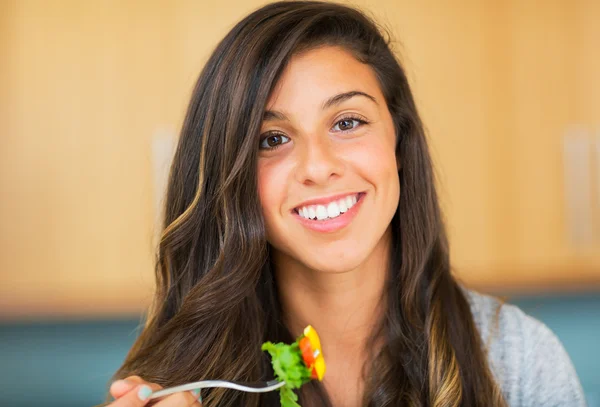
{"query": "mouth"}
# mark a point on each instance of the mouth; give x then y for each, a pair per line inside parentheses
(329, 210)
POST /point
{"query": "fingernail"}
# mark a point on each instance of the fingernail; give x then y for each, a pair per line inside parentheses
(144, 392)
(196, 393)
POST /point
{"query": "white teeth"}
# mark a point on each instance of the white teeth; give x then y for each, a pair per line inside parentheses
(342, 204)
(304, 212)
(321, 212)
(349, 202)
(333, 210)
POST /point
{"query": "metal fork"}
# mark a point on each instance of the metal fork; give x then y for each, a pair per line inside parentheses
(250, 387)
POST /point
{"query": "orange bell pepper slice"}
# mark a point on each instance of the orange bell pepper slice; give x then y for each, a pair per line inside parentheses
(312, 354)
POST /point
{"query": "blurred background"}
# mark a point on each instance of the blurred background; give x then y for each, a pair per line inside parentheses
(92, 94)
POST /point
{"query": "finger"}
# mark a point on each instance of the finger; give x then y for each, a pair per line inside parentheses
(136, 397)
(138, 380)
(182, 399)
(135, 379)
(120, 387)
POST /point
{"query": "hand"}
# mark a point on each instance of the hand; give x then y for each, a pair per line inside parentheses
(134, 392)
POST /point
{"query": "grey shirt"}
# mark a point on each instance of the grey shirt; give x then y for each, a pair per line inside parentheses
(526, 357)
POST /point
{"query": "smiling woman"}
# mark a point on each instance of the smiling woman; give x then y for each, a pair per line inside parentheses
(302, 193)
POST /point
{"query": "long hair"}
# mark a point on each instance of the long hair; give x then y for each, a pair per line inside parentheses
(216, 296)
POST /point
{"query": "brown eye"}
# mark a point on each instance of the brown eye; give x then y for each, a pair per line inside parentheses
(346, 124)
(349, 124)
(273, 141)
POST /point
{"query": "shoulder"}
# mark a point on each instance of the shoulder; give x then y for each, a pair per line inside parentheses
(526, 357)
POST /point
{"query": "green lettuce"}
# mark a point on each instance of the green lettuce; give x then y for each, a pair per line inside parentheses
(288, 367)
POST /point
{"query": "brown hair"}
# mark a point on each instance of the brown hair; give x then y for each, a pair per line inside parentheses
(216, 297)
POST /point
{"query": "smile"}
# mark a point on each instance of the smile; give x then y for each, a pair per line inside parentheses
(328, 210)
(329, 216)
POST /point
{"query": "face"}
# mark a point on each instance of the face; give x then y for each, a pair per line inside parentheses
(327, 170)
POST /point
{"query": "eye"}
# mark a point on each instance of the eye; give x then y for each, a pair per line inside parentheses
(273, 140)
(349, 123)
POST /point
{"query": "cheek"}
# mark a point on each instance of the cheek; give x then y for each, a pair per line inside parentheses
(375, 160)
(272, 182)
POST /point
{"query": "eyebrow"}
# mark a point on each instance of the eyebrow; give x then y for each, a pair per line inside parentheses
(332, 101)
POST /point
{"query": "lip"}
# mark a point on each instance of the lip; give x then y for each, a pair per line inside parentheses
(335, 224)
(324, 200)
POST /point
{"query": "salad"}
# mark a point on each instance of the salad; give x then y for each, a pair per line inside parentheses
(296, 364)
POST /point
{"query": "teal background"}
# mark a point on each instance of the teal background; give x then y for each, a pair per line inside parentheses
(69, 363)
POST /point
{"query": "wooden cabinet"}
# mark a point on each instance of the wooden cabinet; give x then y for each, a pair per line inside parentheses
(499, 85)
(506, 183)
(85, 86)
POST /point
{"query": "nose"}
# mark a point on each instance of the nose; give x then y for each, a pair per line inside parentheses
(319, 163)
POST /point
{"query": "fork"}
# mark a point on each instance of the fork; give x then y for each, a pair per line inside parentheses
(250, 387)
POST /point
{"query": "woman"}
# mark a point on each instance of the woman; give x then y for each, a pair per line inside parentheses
(301, 192)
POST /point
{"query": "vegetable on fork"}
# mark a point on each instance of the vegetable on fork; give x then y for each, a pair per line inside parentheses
(296, 364)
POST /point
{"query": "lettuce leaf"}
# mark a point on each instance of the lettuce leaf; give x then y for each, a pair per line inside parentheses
(289, 367)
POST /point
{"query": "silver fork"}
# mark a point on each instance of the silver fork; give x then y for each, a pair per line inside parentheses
(250, 387)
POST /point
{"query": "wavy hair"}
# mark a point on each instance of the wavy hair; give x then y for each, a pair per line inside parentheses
(216, 296)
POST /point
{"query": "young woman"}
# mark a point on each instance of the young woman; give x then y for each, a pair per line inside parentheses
(302, 191)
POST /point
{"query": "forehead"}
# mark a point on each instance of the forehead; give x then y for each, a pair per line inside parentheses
(317, 74)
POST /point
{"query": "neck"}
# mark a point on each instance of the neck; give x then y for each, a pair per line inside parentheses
(344, 308)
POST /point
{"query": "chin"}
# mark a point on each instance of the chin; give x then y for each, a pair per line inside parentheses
(335, 263)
